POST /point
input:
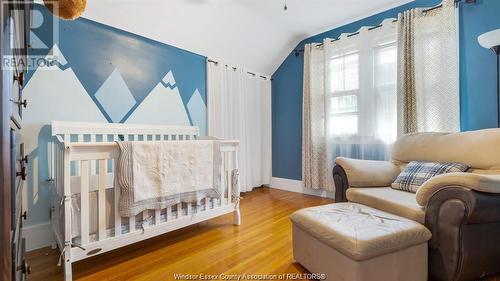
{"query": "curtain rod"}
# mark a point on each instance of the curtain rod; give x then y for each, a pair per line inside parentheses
(297, 52)
(234, 68)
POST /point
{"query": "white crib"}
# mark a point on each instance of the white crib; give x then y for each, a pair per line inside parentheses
(85, 217)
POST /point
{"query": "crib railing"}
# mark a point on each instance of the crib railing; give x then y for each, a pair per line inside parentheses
(83, 175)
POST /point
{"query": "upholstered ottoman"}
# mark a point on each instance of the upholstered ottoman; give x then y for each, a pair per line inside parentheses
(349, 241)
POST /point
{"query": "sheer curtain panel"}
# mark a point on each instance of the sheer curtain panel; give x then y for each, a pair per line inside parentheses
(239, 107)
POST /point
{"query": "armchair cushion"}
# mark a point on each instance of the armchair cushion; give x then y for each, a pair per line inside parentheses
(482, 183)
(390, 200)
(368, 173)
(417, 172)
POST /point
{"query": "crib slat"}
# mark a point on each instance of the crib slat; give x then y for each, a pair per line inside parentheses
(237, 213)
(145, 217)
(189, 209)
(93, 163)
(59, 171)
(179, 210)
(67, 138)
(118, 217)
(157, 217)
(79, 138)
(56, 168)
(102, 199)
(131, 222)
(84, 201)
(51, 158)
(223, 180)
(169, 213)
(66, 174)
(229, 176)
(236, 167)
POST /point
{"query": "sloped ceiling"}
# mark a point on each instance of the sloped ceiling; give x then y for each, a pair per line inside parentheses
(255, 34)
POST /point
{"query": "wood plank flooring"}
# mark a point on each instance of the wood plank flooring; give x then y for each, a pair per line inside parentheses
(262, 244)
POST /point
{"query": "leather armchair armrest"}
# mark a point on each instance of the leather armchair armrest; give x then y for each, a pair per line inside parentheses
(366, 173)
(465, 226)
(481, 183)
(361, 173)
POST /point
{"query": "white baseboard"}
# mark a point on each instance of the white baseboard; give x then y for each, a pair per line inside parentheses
(296, 186)
(37, 236)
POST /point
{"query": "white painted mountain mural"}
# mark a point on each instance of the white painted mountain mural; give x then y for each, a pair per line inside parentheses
(197, 111)
(162, 106)
(55, 93)
(115, 97)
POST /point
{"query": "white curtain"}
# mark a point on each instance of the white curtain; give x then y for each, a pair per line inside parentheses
(428, 67)
(239, 107)
(354, 97)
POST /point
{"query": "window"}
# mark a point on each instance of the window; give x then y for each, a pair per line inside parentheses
(343, 110)
(385, 73)
(352, 108)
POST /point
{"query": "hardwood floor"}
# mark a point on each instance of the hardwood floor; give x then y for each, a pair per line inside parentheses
(262, 244)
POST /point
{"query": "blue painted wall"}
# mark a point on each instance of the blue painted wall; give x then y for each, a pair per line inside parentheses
(477, 81)
(478, 66)
(102, 74)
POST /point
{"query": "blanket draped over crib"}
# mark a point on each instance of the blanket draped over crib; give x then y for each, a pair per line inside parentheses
(156, 175)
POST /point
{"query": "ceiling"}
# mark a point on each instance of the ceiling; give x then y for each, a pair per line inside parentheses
(254, 34)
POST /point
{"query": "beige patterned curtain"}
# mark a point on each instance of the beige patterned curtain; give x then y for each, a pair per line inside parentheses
(315, 172)
(428, 74)
(407, 105)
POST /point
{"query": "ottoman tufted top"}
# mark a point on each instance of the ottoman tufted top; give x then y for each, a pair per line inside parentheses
(358, 231)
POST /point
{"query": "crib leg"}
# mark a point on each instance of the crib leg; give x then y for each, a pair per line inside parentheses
(236, 216)
(68, 276)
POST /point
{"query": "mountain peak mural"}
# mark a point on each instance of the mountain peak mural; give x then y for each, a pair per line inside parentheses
(101, 74)
(114, 97)
(169, 80)
(106, 59)
(163, 105)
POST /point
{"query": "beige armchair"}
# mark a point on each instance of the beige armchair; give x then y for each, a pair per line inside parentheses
(462, 210)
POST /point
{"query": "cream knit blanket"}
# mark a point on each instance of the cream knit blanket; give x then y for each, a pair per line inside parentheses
(155, 175)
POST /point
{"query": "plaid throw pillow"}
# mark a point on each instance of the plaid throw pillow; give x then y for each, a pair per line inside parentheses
(417, 172)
